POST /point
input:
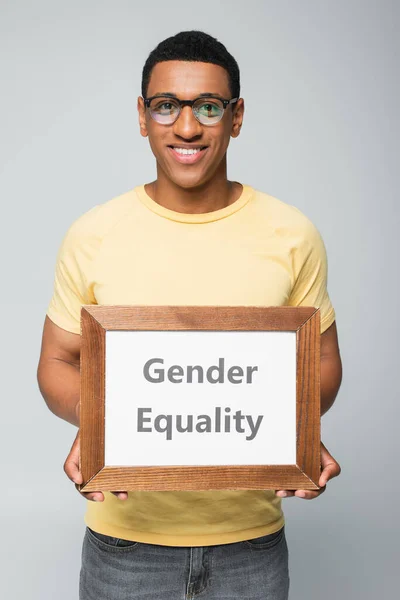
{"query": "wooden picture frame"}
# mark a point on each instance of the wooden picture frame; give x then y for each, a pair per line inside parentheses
(96, 320)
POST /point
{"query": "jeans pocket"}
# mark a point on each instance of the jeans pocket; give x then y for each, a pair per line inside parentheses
(109, 542)
(266, 541)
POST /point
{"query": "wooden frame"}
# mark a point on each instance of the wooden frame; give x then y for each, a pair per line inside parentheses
(97, 319)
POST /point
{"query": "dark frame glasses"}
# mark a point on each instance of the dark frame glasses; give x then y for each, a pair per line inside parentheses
(193, 104)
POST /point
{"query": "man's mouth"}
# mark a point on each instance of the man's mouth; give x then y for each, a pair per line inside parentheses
(188, 155)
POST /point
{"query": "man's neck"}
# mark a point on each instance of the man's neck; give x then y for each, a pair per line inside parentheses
(214, 195)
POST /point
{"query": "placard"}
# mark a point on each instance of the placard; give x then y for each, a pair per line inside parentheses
(199, 397)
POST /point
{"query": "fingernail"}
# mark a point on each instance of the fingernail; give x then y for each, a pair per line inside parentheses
(301, 494)
(283, 494)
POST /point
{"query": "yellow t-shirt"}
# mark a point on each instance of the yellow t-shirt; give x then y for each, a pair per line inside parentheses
(130, 250)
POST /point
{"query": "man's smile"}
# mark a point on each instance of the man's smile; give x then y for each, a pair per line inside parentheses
(187, 154)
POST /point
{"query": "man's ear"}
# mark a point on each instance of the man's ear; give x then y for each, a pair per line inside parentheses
(142, 117)
(237, 119)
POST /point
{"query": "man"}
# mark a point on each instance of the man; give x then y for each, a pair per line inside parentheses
(190, 237)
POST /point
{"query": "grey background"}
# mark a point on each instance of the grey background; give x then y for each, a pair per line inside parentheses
(320, 131)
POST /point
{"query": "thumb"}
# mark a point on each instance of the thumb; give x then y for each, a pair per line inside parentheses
(330, 466)
(71, 465)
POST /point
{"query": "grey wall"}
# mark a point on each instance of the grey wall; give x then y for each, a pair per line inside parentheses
(320, 131)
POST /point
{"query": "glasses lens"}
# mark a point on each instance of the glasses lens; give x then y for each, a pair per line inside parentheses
(208, 110)
(164, 110)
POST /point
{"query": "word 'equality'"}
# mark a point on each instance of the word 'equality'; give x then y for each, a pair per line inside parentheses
(204, 424)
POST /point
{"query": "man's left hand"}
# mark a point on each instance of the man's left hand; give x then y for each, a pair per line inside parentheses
(330, 469)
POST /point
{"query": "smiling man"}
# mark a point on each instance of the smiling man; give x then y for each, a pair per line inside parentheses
(189, 237)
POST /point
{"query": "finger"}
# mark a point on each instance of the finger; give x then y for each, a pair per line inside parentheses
(284, 493)
(71, 464)
(309, 494)
(93, 496)
(330, 467)
(121, 495)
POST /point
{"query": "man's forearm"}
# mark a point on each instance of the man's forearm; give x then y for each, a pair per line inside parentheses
(331, 378)
(59, 383)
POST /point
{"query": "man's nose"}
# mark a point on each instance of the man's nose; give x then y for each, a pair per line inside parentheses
(187, 125)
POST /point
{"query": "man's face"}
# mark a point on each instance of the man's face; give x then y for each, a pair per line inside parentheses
(187, 80)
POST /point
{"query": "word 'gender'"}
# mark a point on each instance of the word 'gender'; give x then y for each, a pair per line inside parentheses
(214, 374)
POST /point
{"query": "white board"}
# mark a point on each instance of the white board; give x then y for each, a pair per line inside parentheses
(236, 420)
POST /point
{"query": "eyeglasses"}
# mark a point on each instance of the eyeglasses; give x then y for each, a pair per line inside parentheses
(208, 110)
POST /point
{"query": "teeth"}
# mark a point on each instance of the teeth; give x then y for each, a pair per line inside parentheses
(187, 151)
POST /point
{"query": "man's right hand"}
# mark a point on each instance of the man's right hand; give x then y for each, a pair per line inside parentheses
(71, 468)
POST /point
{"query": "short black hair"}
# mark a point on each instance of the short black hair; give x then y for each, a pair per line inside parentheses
(196, 46)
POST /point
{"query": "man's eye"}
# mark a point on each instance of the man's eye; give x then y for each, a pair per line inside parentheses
(164, 106)
(209, 109)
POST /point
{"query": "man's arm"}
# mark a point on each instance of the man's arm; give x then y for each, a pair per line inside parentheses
(58, 372)
(331, 367)
(58, 376)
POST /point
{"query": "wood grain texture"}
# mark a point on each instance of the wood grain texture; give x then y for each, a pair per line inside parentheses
(96, 320)
(200, 318)
(220, 477)
(308, 404)
(92, 396)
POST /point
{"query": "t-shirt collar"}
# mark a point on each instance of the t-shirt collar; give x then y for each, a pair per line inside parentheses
(207, 217)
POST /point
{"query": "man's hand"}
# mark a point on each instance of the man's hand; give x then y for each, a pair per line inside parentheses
(71, 468)
(330, 469)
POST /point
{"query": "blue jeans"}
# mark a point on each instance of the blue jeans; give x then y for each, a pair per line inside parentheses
(117, 569)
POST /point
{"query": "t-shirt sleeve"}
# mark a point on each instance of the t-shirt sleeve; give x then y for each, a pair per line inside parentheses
(310, 265)
(73, 285)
